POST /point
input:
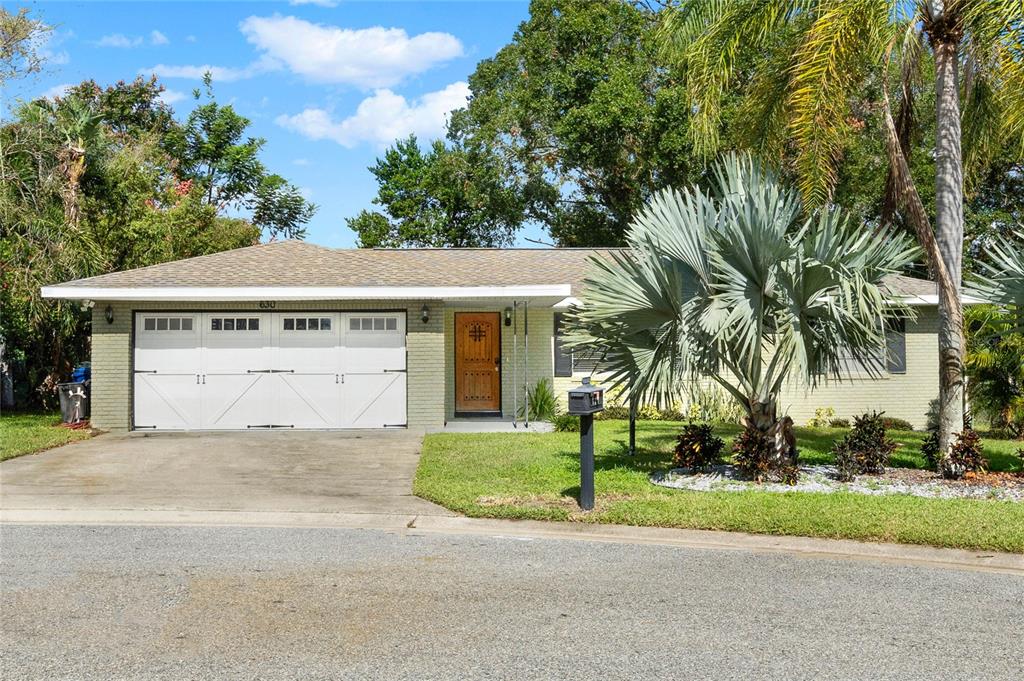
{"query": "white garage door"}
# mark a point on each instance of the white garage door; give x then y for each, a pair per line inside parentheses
(244, 370)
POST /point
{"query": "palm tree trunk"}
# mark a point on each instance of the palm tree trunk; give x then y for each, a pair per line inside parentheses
(949, 234)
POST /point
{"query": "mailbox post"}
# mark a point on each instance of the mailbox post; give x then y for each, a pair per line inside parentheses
(585, 401)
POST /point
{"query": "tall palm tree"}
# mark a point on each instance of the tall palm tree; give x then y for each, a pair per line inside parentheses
(742, 287)
(810, 58)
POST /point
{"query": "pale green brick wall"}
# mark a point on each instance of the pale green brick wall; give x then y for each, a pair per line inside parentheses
(112, 350)
(111, 368)
(906, 396)
(538, 365)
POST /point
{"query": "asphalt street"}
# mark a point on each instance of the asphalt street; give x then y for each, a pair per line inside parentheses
(127, 602)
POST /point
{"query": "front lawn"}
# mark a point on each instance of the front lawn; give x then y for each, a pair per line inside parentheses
(34, 432)
(536, 476)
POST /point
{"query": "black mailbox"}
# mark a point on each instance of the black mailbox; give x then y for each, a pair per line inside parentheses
(586, 399)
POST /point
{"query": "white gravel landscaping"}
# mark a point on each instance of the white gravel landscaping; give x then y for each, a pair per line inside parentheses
(822, 479)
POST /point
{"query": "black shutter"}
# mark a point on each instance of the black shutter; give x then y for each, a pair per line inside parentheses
(563, 358)
(896, 346)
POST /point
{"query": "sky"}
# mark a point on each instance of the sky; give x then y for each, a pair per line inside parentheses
(328, 83)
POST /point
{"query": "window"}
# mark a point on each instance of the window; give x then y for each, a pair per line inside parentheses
(234, 324)
(892, 359)
(896, 347)
(167, 324)
(568, 362)
(373, 324)
(306, 324)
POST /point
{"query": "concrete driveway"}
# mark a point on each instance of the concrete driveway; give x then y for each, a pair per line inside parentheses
(326, 472)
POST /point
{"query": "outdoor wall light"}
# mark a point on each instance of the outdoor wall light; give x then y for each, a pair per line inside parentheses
(108, 314)
(425, 313)
(508, 316)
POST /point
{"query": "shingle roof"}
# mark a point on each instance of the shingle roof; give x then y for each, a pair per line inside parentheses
(301, 264)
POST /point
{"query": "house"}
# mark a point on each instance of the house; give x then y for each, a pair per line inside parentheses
(294, 335)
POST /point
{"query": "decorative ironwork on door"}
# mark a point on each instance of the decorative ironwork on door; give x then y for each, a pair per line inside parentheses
(477, 333)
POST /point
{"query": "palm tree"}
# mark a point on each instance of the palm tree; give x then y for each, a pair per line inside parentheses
(812, 56)
(741, 287)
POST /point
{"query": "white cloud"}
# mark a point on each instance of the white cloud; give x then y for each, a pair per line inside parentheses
(190, 39)
(158, 38)
(319, 3)
(169, 97)
(221, 74)
(57, 91)
(118, 40)
(301, 161)
(382, 118)
(374, 57)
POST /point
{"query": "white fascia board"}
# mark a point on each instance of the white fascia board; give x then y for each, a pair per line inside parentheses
(306, 293)
(568, 302)
(933, 299)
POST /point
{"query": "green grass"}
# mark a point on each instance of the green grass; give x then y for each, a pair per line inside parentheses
(22, 433)
(536, 476)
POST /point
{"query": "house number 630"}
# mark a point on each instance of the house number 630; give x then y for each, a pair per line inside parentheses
(267, 304)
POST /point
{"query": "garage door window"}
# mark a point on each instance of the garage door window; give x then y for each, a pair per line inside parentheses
(373, 324)
(234, 323)
(306, 323)
(167, 324)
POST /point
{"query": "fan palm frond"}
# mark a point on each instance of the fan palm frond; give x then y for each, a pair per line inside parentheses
(739, 286)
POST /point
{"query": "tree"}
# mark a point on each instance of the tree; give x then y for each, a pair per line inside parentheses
(819, 52)
(446, 196)
(20, 40)
(88, 186)
(739, 286)
(128, 110)
(995, 359)
(995, 369)
(587, 119)
(213, 153)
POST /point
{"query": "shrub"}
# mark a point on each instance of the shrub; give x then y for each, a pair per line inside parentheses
(697, 447)
(613, 412)
(713, 405)
(965, 456)
(671, 414)
(566, 423)
(541, 404)
(930, 450)
(865, 449)
(754, 454)
(839, 423)
(892, 423)
(1020, 455)
(822, 416)
(647, 412)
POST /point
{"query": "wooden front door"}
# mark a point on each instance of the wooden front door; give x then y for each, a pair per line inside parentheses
(477, 362)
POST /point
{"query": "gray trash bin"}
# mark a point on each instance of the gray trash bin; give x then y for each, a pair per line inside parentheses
(74, 401)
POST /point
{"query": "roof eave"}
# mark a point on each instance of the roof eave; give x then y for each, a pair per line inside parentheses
(212, 294)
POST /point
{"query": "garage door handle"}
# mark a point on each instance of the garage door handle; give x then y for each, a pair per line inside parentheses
(259, 371)
(339, 378)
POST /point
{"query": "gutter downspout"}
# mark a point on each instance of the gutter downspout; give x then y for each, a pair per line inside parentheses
(515, 364)
(526, 360)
